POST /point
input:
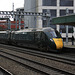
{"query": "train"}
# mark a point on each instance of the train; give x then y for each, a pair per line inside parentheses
(39, 38)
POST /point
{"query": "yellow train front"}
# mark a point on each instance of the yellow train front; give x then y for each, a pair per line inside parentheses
(58, 43)
(54, 39)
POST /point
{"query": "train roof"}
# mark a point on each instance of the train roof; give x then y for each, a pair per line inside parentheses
(35, 29)
(6, 32)
(3, 32)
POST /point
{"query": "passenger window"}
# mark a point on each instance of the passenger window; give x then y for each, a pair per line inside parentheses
(43, 37)
(31, 36)
(37, 36)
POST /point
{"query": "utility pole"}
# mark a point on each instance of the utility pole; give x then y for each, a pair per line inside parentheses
(13, 10)
(48, 17)
(19, 22)
(9, 24)
(16, 22)
(67, 12)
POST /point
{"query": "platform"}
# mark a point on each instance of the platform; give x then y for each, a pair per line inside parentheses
(69, 44)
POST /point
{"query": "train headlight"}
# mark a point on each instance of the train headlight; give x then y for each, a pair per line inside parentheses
(51, 40)
(62, 39)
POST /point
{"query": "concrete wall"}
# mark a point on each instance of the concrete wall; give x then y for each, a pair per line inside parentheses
(30, 6)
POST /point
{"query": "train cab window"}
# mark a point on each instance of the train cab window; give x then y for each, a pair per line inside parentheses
(51, 34)
(58, 34)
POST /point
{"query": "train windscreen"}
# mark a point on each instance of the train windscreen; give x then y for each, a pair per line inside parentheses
(58, 34)
(53, 34)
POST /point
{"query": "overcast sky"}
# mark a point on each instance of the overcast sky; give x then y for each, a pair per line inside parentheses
(6, 5)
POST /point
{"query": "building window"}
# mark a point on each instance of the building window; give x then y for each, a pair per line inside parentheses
(63, 12)
(63, 27)
(66, 2)
(49, 2)
(53, 14)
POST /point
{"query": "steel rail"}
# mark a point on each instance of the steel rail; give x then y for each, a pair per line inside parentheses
(4, 71)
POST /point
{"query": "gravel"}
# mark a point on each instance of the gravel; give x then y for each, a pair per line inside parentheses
(17, 69)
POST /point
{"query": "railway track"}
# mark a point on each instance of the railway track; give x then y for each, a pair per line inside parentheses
(36, 66)
(45, 67)
(4, 71)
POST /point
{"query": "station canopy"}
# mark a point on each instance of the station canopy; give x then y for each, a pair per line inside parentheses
(65, 20)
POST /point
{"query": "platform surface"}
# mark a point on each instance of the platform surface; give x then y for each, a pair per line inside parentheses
(69, 44)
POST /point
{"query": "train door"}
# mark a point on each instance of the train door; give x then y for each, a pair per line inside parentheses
(43, 38)
(31, 39)
(43, 41)
(37, 36)
(9, 37)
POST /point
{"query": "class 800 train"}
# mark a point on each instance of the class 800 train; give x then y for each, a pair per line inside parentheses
(40, 38)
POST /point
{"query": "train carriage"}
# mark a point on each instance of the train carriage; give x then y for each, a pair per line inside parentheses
(40, 38)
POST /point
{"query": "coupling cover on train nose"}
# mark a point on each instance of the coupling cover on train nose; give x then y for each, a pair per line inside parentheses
(58, 42)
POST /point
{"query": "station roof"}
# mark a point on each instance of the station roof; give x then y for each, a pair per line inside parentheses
(64, 20)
